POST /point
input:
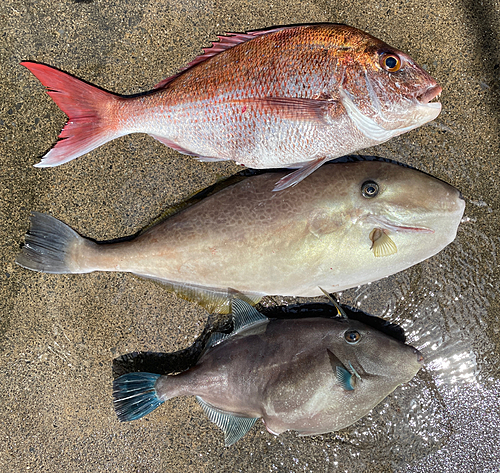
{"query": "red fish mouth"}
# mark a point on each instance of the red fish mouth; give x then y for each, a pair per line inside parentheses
(429, 94)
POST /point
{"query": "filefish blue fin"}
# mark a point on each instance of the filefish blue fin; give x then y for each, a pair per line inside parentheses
(344, 378)
(134, 395)
(234, 427)
(295, 177)
(243, 314)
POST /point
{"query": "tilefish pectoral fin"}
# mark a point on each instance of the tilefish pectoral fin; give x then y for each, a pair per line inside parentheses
(382, 245)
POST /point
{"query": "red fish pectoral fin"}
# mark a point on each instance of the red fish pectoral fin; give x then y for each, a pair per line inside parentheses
(292, 108)
(295, 177)
(87, 107)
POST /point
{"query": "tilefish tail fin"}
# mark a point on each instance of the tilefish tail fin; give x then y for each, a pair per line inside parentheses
(234, 427)
(134, 395)
(91, 114)
(48, 245)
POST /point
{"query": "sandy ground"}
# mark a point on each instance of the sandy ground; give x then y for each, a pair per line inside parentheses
(59, 334)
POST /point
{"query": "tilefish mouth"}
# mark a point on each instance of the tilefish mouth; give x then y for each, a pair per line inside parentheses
(384, 223)
(430, 94)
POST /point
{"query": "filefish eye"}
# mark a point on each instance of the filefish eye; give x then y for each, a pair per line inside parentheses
(390, 62)
(369, 189)
(352, 337)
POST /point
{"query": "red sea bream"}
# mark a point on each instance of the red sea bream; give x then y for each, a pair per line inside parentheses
(287, 97)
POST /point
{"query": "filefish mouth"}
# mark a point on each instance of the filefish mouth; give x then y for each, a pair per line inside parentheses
(420, 357)
(384, 223)
(430, 94)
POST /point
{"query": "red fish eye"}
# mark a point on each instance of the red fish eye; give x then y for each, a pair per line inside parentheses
(390, 62)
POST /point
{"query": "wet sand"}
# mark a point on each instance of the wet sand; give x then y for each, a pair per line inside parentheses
(60, 333)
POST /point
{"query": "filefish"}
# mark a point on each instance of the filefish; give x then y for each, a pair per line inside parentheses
(290, 97)
(346, 225)
(311, 375)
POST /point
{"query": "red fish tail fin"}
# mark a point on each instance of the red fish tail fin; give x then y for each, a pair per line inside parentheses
(89, 109)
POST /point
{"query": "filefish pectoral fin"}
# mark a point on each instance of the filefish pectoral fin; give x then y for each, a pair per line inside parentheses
(344, 378)
(382, 245)
(295, 177)
(342, 375)
(234, 427)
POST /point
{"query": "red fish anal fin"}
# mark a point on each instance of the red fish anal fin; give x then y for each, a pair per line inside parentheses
(86, 106)
(182, 150)
(295, 177)
(225, 42)
(172, 145)
(291, 108)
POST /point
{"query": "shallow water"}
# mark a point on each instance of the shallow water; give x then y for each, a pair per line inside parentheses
(59, 334)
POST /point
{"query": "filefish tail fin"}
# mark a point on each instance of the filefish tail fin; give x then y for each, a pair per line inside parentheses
(134, 395)
(87, 108)
(48, 244)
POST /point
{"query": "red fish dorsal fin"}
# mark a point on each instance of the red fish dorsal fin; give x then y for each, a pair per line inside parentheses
(226, 41)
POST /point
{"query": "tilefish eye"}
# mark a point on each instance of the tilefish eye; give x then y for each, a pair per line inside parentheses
(369, 189)
(390, 62)
(352, 337)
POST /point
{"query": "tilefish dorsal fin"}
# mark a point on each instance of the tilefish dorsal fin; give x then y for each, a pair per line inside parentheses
(234, 427)
(244, 315)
